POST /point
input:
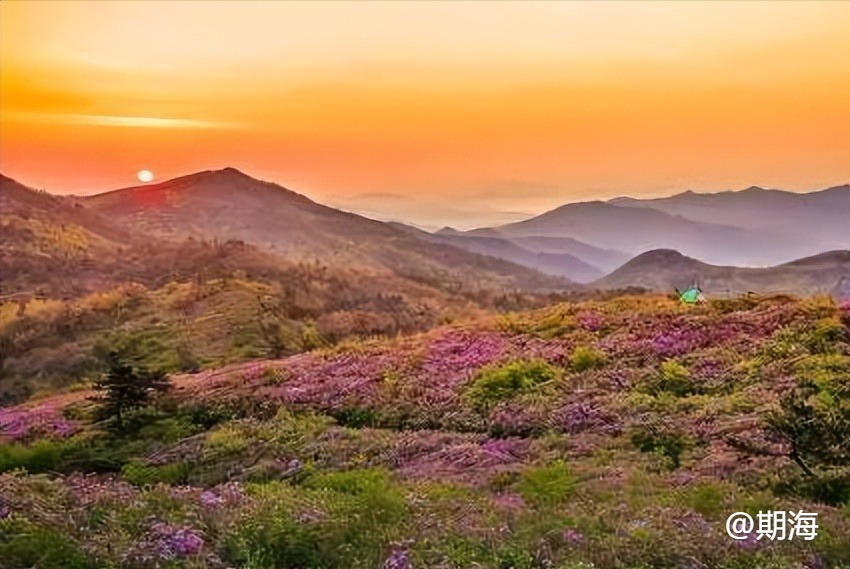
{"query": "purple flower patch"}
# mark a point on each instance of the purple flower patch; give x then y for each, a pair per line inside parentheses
(590, 321)
(573, 536)
(398, 559)
(20, 422)
(177, 541)
(210, 499)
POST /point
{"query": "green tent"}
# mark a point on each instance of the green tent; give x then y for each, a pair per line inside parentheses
(690, 295)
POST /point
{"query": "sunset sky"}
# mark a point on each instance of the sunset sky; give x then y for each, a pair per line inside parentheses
(463, 113)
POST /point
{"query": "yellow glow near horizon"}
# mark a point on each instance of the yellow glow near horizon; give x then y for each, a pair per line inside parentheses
(465, 100)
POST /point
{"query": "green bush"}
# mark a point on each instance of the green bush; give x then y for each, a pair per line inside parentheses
(80, 453)
(813, 416)
(228, 439)
(97, 455)
(353, 515)
(672, 378)
(832, 489)
(509, 557)
(141, 474)
(708, 499)
(493, 385)
(25, 546)
(827, 371)
(547, 485)
(186, 359)
(826, 334)
(658, 441)
(152, 348)
(356, 417)
(43, 455)
(274, 540)
(379, 498)
(206, 417)
(585, 358)
(366, 510)
(311, 339)
(167, 430)
(556, 322)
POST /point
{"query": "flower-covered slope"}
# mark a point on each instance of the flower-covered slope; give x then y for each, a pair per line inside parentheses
(603, 434)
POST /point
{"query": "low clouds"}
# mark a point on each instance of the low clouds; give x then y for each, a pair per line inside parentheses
(119, 121)
(428, 212)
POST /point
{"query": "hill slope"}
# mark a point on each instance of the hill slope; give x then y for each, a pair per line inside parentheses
(551, 262)
(197, 295)
(227, 204)
(666, 270)
(611, 435)
(49, 243)
(605, 259)
(597, 257)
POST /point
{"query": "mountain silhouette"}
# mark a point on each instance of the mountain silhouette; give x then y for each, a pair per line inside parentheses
(673, 241)
(222, 206)
(668, 270)
(752, 227)
(816, 221)
(491, 244)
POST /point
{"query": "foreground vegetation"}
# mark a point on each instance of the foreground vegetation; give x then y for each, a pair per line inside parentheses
(197, 323)
(609, 434)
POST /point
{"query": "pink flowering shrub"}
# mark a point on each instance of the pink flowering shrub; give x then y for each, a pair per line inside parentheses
(590, 321)
(173, 541)
(18, 423)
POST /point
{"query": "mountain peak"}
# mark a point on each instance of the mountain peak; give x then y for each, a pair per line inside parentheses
(228, 172)
(619, 200)
(231, 171)
(225, 179)
(661, 256)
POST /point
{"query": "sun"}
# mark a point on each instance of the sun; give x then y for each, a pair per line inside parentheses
(145, 176)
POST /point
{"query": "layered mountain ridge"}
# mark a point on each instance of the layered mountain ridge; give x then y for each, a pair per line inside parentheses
(733, 241)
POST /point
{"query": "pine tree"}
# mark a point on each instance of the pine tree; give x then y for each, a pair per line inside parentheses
(124, 388)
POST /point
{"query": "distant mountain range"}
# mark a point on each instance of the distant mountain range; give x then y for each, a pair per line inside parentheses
(818, 220)
(749, 228)
(752, 227)
(556, 256)
(728, 241)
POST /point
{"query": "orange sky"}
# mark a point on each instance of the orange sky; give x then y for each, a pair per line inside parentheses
(429, 111)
